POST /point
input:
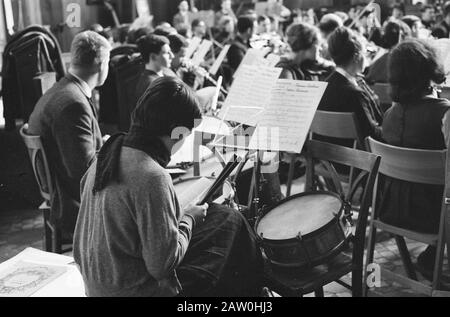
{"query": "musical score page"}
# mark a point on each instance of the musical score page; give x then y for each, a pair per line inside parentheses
(249, 94)
(254, 57)
(287, 119)
(201, 53)
(219, 61)
(194, 43)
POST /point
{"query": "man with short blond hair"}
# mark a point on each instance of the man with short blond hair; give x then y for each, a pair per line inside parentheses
(66, 120)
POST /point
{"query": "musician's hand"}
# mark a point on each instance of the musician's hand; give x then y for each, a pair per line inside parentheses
(198, 212)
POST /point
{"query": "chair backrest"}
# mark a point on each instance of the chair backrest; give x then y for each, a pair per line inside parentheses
(411, 165)
(383, 91)
(39, 162)
(341, 125)
(367, 165)
(43, 83)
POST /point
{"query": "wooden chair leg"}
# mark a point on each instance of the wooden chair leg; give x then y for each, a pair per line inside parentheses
(370, 255)
(57, 241)
(440, 252)
(357, 282)
(319, 292)
(406, 258)
(47, 233)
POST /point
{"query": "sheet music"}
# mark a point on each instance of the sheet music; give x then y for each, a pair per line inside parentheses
(194, 193)
(200, 54)
(442, 47)
(219, 61)
(253, 57)
(194, 43)
(250, 93)
(287, 119)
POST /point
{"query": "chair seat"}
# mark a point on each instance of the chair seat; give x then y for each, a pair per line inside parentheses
(430, 239)
(292, 282)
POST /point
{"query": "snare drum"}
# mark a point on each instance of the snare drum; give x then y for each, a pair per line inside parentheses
(226, 197)
(304, 230)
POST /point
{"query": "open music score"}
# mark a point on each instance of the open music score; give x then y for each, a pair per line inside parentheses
(442, 47)
(202, 51)
(287, 119)
(249, 94)
(219, 60)
(194, 43)
(256, 57)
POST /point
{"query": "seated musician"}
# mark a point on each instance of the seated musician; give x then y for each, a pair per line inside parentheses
(157, 55)
(132, 237)
(395, 32)
(225, 11)
(241, 44)
(415, 24)
(417, 120)
(199, 29)
(182, 17)
(66, 120)
(305, 62)
(347, 91)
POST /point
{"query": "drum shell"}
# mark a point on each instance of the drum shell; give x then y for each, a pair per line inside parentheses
(309, 250)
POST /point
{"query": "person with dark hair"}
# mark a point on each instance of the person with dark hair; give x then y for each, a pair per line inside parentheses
(226, 10)
(178, 45)
(157, 56)
(134, 35)
(241, 43)
(264, 25)
(347, 91)
(415, 24)
(394, 33)
(305, 62)
(417, 120)
(398, 11)
(133, 239)
(442, 30)
(428, 13)
(199, 29)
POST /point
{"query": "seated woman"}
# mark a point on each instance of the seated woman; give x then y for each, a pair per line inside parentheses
(395, 32)
(347, 91)
(305, 62)
(132, 237)
(415, 121)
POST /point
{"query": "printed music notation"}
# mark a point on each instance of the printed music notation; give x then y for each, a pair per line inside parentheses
(287, 119)
(249, 94)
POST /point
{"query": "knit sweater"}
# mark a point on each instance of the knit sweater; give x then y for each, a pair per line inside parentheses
(130, 237)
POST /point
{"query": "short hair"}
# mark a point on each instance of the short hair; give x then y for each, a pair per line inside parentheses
(410, 20)
(196, 23)
(393, 32)
(302, 36)
(151, 44)
(413, 64)
(177, 42)
(327, 26)
(399, 6)
(164, 30)
(135, 35)
(166, 105)
(245, 23)
(343, 46)
(426, 7)
(89, 49)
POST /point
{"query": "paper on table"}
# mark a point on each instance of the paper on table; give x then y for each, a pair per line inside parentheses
(194, 43)
(200, 55)
(194, 193)
(219, 61)
(25, 278)
(249, 94)
(287, 119)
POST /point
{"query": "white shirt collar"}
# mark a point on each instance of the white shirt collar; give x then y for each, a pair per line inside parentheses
(349, 77)
(83, 85)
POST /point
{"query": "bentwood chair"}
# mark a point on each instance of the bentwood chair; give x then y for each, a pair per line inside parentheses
(39, 162)
(299, 282)
(415, 166)
(332, 125)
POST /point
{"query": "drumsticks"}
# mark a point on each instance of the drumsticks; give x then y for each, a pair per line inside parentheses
(229, 168)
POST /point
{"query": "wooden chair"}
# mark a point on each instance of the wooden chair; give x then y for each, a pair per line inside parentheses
(43, 83)
(52, 231)
(416, 166)
(331, 125)
(383, 91)
(295, 282)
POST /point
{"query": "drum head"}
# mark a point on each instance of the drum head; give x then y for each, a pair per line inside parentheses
(304, 215)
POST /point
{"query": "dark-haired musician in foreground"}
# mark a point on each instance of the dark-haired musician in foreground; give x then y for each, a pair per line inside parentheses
(133, 238)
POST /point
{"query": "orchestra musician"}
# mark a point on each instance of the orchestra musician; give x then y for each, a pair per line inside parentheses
(133, 239)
